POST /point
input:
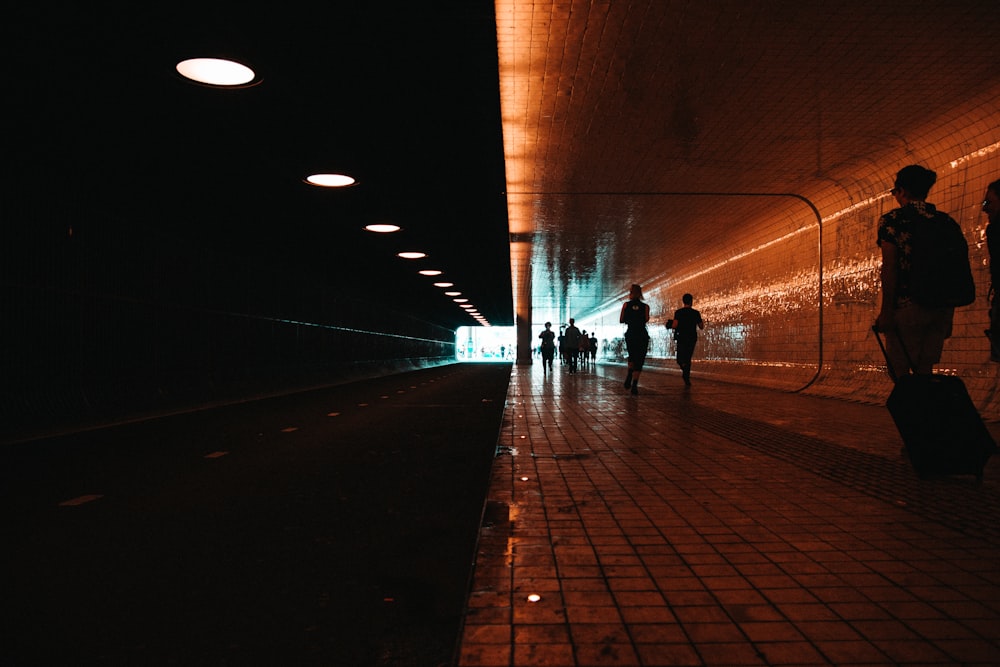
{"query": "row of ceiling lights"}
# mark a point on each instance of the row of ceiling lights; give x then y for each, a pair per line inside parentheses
(229, 74)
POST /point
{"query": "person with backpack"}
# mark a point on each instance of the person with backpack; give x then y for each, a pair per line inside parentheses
(923, 277)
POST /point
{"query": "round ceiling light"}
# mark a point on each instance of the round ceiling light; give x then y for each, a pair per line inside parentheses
(412, 255)
(382, 228)
(215, 71)
(330, 180)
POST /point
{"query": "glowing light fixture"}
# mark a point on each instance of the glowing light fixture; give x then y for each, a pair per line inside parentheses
(382, 228)
(459, 300)
(412, 255)
(216, 71)
(330, 180)
(444, 285)
(453, 294)
(431, 272)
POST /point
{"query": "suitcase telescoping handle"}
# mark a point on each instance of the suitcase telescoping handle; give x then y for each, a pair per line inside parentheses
(881, 345)
(888, 364)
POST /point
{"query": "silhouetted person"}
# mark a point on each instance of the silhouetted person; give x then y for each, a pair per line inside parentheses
(584, 349)
(923, 329)
(634, 315)
(548, 337)
(593, 350)
(572, 342)
(991, 207)
(685, 323)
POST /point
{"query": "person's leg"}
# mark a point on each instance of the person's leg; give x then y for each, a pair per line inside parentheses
(685, 350)
(629, 347)
(641, 346)
(901, 359)
(994, 330)
(935, 327)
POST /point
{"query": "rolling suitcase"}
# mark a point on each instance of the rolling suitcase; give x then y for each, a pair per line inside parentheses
(940, 426)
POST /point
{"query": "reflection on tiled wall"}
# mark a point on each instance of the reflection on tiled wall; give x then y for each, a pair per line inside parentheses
(764, 322)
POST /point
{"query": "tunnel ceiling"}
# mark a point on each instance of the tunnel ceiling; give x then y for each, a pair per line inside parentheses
(633, 130)
(565, 148)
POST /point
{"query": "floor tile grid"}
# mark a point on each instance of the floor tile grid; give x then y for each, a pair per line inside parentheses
(740, 580)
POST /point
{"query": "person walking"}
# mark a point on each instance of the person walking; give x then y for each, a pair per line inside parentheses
(584, 349)
(548, 337)
(922, 329)
(991, 207)
(685, 323)
(572, 341)
(635, 315)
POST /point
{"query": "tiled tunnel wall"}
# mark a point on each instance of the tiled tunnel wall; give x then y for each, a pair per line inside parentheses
(762, 305)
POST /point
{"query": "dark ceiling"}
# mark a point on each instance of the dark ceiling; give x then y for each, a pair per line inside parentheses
(403, 96)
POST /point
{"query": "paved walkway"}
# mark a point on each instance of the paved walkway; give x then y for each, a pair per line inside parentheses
(723, 525)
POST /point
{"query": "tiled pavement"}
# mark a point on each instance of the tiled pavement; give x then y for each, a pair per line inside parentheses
(723, 525)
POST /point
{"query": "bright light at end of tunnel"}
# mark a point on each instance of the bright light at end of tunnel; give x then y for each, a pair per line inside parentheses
(330, 180)
(215, 71)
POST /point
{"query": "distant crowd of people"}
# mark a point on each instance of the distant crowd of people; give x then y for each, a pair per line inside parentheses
(577, 349)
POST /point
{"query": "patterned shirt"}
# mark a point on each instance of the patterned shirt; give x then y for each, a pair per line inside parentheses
(895, 227)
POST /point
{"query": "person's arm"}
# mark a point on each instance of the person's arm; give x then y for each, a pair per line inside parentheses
(890, 279)
(646, 306)
(621, 316)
